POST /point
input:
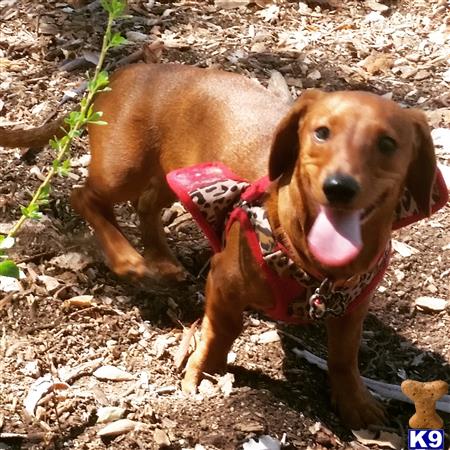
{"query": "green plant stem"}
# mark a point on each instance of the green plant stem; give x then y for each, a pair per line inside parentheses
(77, 126)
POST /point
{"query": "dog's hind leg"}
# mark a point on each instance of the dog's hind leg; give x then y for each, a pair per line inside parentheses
(159, 259)
(122, 258)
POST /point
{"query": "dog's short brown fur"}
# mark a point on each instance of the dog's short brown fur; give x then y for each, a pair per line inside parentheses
(163, 117)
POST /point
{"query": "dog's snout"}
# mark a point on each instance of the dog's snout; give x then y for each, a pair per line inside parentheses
(340, 188)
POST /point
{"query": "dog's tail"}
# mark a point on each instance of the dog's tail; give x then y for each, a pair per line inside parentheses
(33, 137)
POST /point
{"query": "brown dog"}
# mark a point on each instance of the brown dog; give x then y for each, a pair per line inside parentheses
(338, 163)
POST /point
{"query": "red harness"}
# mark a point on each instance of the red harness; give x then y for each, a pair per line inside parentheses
(217, 198)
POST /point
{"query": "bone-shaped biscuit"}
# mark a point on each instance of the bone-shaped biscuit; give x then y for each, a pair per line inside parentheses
(425, 396)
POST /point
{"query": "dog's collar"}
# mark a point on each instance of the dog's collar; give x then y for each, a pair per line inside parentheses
(322, 302)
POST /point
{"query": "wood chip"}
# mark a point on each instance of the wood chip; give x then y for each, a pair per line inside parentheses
(107, 414)
(118, 428)
(80, 301)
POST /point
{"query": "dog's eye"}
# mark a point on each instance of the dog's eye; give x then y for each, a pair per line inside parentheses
(387, 145)
(322, 133)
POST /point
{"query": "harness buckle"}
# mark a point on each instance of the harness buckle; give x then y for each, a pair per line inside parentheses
(326, 301)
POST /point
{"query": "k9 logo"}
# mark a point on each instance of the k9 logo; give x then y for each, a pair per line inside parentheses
(425, 439)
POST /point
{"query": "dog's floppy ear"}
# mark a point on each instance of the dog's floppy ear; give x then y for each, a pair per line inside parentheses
(285, 143)
(422, 169)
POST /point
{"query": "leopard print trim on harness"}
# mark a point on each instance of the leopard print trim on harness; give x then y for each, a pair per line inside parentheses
(216, 198)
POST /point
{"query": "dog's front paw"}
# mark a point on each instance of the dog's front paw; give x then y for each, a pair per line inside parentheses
(358, 409)
(190, 383)
(193, 374)
(202, 362)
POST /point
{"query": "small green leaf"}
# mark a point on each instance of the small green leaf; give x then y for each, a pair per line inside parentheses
(114, 7)
(117, 40)
(55, 144)
(101, 81)
(43, 195)
(31, 212)
(64, 169)
(73, 118)
(72, 134)
(9, 269)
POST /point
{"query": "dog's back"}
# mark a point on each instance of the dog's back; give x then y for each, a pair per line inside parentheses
(186, 115)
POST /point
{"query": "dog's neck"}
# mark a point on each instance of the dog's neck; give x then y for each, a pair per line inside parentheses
(291, 217)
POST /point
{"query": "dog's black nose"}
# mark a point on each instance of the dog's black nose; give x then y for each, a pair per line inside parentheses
(339, 188)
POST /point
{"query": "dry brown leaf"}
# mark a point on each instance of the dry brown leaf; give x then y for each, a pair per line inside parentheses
(403, 249)
(72, 260)
(183, 350)
(121, 426)
(38, 389)
(153, 52)
(382, 439)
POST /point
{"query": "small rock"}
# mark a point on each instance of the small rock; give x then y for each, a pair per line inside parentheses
(161, 438)
(135, 36)
(268, 337)
(399, 274)
(225, 384)
(112, 373)
(231, 358)
(258, 47)
(314, 75)
(207, 388)
(9, 284)
(431, 303)
(432, 288)
(263, 443)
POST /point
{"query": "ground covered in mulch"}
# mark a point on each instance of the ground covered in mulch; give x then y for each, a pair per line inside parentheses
(395, 48)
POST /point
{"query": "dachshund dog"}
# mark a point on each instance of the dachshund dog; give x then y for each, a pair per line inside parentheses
(336, 167)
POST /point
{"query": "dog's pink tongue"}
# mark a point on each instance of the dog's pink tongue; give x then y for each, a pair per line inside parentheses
(335, 237)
